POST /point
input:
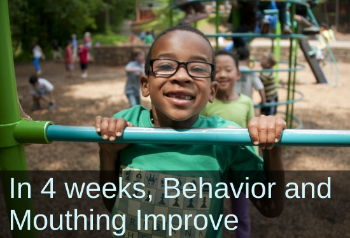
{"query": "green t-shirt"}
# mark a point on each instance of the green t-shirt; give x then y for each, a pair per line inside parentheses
(151, 163)
(239, 111)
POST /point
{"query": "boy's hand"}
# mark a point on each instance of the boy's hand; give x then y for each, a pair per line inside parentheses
(266, 130)
(110, 129)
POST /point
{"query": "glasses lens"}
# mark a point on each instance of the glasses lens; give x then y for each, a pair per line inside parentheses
(164, 67)
(199, 69)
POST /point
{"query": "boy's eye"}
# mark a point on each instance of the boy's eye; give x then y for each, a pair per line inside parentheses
(199, 68)
(164, 67)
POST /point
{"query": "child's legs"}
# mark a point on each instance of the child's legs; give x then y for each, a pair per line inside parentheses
(270, 111)
(36, 63)
(36, 99)
(240, 208)
(133, 99)
(239, 41)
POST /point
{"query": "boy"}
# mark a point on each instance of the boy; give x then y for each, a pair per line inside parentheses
(41, 89)
(83, 56)
(134, 70)
(237, 108)
(180, 71)
(248, 80)
(268, 61)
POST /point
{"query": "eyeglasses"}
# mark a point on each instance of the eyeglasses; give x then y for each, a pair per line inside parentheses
(168, 67)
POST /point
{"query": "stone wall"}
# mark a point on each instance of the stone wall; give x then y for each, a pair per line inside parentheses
(116, 55)
(122, 54)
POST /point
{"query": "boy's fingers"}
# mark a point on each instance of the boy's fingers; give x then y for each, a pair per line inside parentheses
(111, 128)
(280, 126)
(104, 128)
(120, 126)
(253, 130)
(271, 132)
(231, 127)
(262, 130)
(98, 120)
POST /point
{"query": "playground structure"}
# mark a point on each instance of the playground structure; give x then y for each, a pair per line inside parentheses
(295, 39)
(15, 132)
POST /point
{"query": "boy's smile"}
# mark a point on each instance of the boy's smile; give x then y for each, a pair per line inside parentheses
(178, 99)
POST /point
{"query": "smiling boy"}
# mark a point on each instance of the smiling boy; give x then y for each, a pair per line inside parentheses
(180, 73)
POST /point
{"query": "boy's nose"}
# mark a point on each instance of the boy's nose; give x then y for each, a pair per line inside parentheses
(181, 75)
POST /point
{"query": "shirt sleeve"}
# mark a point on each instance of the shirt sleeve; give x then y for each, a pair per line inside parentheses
(258, 85)
(247, 167)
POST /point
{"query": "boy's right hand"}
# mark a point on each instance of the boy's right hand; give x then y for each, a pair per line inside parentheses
(110, 129)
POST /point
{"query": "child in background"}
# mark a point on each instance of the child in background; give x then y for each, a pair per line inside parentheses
(41, 89)
(148, 38)
(69, 59)
(37, 54)
(248, 80)
(83, 56)
(134, 70)
(75, 47)
(268, 61)
(237, 108)
(180, 74)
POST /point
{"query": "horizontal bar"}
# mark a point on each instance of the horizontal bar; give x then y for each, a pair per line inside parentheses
(199, 136)
(257, 35)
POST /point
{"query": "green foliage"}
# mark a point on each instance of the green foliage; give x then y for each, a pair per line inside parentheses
(43, 21)
(109, 39)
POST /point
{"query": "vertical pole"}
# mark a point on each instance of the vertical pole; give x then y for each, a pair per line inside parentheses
(12, 156)
(277, 49)
(217, 23)
(296, 47)
(288, 116)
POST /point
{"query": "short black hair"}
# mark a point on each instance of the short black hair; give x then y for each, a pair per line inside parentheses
(33, 79)
(243, 53)
(174, 28)
(233, 55)
(325, 25)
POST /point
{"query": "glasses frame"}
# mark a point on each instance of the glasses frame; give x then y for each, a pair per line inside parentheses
(182, 63)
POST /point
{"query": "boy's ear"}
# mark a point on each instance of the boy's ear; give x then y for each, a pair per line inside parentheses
(144, 85)
(213, 88)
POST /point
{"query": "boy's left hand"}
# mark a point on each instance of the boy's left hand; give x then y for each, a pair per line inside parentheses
(265, 131)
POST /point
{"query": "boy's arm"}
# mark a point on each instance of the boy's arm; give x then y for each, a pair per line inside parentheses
(259, 86)
(262, 96)
(110, 129)
(265, 131)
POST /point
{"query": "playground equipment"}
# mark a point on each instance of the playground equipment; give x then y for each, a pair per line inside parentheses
(295, 40)
(15, 132)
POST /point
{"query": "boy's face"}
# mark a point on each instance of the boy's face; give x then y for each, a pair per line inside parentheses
(140, 58)
(227, 73)
(264, 63)
(179, 97)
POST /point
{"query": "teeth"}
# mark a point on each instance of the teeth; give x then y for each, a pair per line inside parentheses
(183, 97)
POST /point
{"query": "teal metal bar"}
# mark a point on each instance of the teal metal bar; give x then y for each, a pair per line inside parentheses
(199, 136)
(257, 35)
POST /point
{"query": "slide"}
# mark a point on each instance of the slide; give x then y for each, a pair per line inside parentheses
(313, 62)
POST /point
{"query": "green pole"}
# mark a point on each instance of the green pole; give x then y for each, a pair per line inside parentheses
(290, 64)
(217, 23)
(296, 47)
(277, 49)
(12, 155)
